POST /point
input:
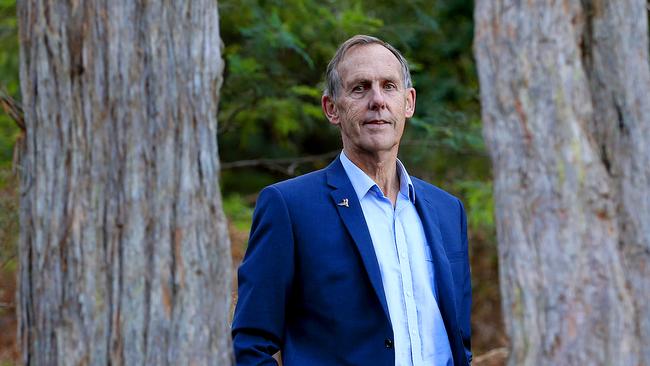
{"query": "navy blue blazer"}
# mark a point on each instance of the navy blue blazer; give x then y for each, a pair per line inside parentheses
(310, 284)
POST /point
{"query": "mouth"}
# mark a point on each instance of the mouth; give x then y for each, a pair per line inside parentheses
(376, 122)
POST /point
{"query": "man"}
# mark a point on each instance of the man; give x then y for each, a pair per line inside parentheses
(358, 263)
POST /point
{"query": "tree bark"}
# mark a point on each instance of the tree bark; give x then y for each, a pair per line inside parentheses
(564, 92)
(124, 254)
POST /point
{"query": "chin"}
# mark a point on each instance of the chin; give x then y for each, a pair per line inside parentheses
(376, 147)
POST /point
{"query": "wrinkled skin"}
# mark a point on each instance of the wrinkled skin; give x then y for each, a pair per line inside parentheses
(373, 104)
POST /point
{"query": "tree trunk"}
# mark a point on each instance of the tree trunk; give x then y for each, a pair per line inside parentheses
(124, 254)
(564, 92)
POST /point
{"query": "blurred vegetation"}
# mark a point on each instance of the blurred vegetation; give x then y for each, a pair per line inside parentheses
(8, 76)
(239, 212)
(9, 57)
(276, 52)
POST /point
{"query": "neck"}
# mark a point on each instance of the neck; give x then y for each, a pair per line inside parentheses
(381, 168)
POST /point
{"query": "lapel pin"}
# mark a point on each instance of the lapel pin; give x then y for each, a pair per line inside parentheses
(344, 203)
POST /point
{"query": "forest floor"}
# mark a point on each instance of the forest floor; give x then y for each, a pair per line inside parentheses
(488, 339)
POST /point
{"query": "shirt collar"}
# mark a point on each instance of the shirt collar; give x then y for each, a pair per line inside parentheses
(362, 183)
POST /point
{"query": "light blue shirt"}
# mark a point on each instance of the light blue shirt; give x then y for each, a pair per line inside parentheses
(406, 269)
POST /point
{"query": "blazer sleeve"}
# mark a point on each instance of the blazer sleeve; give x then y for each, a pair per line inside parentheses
(265, 277)
(466, 296)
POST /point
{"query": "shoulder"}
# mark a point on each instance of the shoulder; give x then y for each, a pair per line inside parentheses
(446, 204)
(304, 200)
(432, 193)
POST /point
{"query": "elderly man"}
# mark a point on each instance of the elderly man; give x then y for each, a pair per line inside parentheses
(358, 263)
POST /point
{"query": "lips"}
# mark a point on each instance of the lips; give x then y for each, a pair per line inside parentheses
(376, 122)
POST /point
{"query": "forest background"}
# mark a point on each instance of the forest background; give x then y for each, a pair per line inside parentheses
(271, 126)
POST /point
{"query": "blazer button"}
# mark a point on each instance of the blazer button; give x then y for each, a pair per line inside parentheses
(388, 343)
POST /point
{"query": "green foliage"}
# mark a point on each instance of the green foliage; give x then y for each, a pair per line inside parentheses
(276, 53)
(479, 203)
(9, 61)
(9, 46)
(9, 226)
(8, 134)
(238, 211)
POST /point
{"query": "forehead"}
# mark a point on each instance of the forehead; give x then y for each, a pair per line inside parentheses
(371, 62)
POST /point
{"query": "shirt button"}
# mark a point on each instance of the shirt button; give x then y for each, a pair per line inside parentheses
(409, 294)
(388, 343)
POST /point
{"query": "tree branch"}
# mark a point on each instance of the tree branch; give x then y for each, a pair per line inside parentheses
(13, 108)
(278, 164)
(493, 356)
(15, 111)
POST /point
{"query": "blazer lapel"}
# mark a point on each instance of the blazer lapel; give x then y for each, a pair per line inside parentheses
(355, 223)
(442, 269)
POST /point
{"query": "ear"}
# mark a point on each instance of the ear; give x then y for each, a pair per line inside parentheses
(410, 102)
(330, 110)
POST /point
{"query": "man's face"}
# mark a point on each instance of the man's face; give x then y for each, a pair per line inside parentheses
(373, 103)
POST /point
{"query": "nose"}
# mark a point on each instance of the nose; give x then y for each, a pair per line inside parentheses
(377, 98)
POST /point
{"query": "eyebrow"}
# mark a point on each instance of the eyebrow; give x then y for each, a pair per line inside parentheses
(365, 80)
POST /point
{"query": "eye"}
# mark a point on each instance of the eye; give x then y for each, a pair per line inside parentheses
(390, 86)
(358, 88)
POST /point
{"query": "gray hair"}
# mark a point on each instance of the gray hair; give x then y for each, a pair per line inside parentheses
(333, 79)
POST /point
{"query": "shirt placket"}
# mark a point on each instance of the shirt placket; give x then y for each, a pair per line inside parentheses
(407, 284)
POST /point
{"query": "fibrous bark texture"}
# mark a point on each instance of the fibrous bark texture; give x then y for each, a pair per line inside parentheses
(564, 92)
(124, 255)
